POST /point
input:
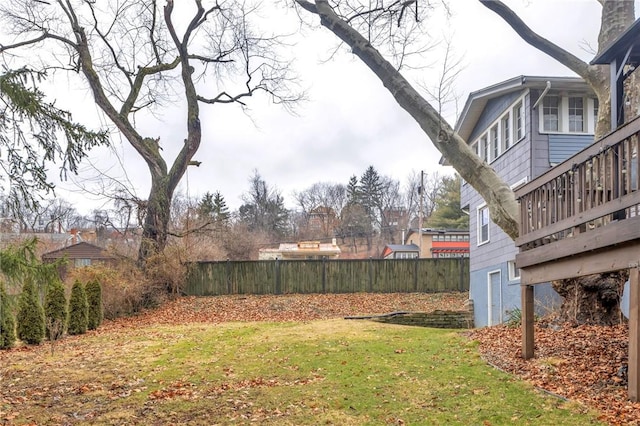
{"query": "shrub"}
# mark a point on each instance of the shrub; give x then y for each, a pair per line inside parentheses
(168, 270)
(125, 289)
(7, 322)
(78, 309)
(514, 318)
(55, 310)
(30, 315)
(94, 299)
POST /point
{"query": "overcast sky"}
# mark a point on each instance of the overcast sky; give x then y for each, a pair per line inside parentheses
(350, 121)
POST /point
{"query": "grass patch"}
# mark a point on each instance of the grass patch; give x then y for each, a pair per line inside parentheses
(319, 372)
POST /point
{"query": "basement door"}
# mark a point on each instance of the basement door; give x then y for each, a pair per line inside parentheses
(494, 294)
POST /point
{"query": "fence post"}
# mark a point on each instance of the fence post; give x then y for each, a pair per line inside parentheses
(228, 275)
(277, 287)
(461, 276)
(324, 274)
(370, 274)
(415, 274)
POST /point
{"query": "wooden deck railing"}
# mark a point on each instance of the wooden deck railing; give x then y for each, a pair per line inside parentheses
(589, 202)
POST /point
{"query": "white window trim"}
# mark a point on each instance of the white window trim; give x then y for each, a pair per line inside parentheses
(563, 118)
(511, 266)
(510, 114)
(479, 226)
(517, 138)
(519, 183)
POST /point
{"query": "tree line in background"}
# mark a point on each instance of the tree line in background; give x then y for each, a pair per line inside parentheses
(363, 214)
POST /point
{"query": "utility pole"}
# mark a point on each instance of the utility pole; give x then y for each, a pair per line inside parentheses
(420, 213)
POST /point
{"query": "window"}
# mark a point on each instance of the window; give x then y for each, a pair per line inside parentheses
(514, 273)
(495, 142)
(576, 114)
(483, 225)
(506, 132)
(82, 262)
(568, 114)
(519, 122)
(551, 114)
(484, 145)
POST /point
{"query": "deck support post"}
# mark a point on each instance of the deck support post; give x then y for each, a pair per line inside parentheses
(634, 334)
(527, 321)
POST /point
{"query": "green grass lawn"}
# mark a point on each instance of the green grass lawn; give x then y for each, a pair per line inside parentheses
(322, 372)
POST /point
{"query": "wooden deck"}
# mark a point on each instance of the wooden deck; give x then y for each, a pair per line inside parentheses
(581, 218)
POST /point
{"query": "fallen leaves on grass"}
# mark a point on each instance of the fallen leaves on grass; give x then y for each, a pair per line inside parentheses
(291, 307)
(583, 364)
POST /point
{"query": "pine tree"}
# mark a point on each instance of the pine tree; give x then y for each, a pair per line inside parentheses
(94, 300)
(7, 322)
(371, 192)
(448, 214)
(78, 309)
(30, 316)
(220, 210)
(353, 190)
(55, 310)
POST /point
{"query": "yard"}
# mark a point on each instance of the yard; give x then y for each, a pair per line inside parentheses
(274, 360)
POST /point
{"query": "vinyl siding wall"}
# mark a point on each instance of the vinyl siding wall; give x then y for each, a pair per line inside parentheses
(564, 146)
(526, 159)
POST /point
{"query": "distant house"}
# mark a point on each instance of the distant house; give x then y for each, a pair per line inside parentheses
(394, 220)
(322, 221)
(521, 127)
(400, 251)
(301, 251)
(440, 243)
(79, 255)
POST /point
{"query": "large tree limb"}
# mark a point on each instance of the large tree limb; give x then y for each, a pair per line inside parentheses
(194, 128)
(499, 196)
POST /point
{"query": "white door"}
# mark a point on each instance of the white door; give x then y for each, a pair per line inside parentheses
(494, 293)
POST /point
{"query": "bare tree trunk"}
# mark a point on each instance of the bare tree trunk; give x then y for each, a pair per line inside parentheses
(154, 230)
(594, 299)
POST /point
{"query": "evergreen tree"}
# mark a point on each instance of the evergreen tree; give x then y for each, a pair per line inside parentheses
(264, 208)
(220, 210)
(205, 207)
(371, 191)
(94, 300)
(7, 322)
(55, 310)
(448, 214)
(30, 315)
(353, 190)
(78, 309)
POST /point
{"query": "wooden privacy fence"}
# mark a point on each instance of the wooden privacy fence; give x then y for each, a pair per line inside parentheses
(327, 276)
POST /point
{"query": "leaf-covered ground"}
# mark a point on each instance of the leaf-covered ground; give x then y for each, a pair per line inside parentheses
(578, 363)
(294, 307)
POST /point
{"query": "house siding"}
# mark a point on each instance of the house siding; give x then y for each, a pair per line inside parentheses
(564, 146)
(526, 159)
(494, 295)
(507, 299)
(493, 110)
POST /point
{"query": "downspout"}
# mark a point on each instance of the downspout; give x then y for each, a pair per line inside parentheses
(544, 92)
